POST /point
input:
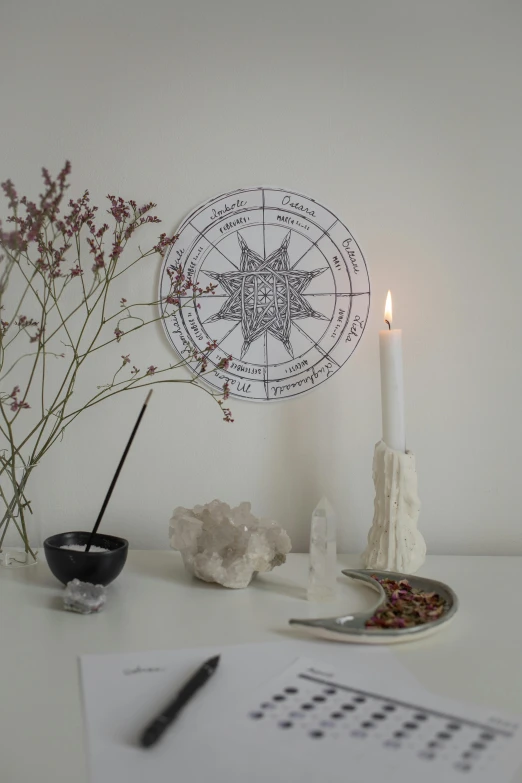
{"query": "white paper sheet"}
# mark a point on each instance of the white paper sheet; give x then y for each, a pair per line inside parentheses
(233, 729)
(121, 693)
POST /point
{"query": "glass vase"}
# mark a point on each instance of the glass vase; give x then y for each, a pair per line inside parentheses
(20, 537)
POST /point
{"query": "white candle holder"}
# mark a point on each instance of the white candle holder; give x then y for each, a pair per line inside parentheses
(394, 543)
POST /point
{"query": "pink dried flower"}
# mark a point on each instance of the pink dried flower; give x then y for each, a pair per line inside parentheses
(11, 194)
(151, 370)
(24, 322)
(224, 363)
(126, 359)
(99, 262)
(117, 250)
(119, 209)
(227, 414)
(119, 334)
(15, 406)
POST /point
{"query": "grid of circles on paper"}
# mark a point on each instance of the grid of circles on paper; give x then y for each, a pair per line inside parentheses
(321, 711)
(290, 297)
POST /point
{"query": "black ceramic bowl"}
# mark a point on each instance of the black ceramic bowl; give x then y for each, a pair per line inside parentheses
(99, 568)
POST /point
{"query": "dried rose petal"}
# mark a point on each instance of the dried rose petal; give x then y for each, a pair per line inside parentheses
(406, 606)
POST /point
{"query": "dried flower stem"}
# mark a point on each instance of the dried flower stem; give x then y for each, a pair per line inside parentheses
(45, 251)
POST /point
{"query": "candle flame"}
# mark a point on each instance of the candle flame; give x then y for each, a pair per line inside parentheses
(388, 310)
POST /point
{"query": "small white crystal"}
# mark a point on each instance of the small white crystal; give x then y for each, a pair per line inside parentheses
(227, 545)
(84, 597)
(322, 574)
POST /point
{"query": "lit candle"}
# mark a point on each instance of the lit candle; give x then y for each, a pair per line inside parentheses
(392, 384)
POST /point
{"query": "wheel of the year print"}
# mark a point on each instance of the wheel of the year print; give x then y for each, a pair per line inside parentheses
(291, 296)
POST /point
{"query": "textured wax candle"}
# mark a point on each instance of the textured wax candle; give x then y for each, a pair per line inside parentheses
(392, 384)
(394, 542)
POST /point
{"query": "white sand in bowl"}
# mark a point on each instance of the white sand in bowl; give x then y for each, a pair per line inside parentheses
(81, 548)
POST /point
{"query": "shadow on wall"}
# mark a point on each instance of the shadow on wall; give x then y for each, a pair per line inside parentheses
(294, 470)
(313, 456)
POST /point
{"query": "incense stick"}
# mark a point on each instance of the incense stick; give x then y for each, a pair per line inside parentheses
(118, 469)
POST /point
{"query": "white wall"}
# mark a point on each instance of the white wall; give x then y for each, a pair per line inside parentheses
(405, 118)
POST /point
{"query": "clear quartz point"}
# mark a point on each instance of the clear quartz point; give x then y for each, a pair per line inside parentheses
(322, 574)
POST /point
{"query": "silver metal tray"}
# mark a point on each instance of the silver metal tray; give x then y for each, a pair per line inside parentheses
(352, 628)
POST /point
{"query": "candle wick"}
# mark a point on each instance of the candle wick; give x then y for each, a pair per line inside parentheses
(387, 322)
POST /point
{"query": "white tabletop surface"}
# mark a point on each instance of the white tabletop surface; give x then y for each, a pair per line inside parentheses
(154, 604)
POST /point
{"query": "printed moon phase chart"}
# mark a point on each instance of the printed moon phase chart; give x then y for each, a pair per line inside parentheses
(291, 296)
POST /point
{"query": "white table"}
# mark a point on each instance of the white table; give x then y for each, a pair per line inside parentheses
(154, 604)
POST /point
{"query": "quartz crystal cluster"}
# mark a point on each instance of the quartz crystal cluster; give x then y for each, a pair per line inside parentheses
(227, 545)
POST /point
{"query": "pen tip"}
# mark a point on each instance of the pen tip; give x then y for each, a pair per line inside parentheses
(151, 735)
(214, 661)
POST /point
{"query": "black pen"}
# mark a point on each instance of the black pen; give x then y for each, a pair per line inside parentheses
(155, 729)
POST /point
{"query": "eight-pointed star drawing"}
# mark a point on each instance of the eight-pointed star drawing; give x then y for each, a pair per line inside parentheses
(265, 295)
